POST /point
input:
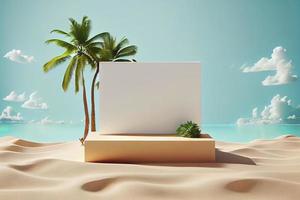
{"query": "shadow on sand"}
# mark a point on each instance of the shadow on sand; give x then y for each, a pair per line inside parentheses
(222, 158)
(225, 157)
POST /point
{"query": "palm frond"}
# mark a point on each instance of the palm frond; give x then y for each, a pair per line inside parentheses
(80, 32)
(77, 76)
(81, 62)
(56, 61)
(85, 28)
(94, 50)
(69, 73)
(109, 42)
(124, 41)
(98, 36)
(60, 32)
(106, 55)
(94, 44)
(62, 44)
(84, 19)
(127, 51)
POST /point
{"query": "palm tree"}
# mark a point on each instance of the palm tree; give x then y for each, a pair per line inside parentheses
(110, 51)
(80, 50)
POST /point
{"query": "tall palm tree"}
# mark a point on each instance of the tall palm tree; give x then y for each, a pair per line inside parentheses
(110, 51)
(79, 50)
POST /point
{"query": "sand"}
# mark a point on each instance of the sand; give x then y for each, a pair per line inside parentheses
(262, 169)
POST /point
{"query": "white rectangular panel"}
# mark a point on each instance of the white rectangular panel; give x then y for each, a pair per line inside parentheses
(148, 97)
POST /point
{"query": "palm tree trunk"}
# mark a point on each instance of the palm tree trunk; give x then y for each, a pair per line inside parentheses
(93, 116)
(86, 112)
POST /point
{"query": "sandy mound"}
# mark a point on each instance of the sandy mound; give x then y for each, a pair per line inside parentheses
(262, 169)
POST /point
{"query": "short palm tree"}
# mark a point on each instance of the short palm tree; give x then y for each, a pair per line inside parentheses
(110, 51)
(80, 50)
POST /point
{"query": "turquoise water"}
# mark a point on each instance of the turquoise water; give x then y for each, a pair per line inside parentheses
(234, 133)
(223, 132)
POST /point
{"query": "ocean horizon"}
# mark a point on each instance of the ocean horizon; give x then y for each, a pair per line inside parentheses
(221, 132)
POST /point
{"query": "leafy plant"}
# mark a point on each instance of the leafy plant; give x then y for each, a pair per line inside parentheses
(188, 129)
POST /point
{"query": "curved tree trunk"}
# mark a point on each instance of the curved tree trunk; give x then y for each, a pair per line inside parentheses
(93, 115)
(86, 112)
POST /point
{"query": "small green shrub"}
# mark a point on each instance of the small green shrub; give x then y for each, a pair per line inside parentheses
(188, 129)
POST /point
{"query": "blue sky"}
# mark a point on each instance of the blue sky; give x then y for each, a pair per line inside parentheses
(222, 35)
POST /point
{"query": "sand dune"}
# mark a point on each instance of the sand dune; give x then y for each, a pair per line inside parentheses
(262, 169)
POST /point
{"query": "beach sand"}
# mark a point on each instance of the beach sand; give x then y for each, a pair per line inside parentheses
(262, 169)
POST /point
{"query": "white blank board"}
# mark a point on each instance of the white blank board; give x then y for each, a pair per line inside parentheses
(148, 97)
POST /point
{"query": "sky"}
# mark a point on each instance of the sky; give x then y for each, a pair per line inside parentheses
(249, 53)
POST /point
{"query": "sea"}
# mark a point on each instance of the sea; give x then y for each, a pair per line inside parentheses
(221, 132)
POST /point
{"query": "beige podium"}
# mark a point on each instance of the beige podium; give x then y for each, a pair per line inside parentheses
(144, 103)
(145, 148)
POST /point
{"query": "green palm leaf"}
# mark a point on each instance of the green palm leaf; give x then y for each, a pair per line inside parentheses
(80, 32)
(94, 44)
(85, 28)
(98, 36)
(127, 51)
(79, 70)
(69, 73)
(77, 76)
(60, 32)
(106, 55)
(121, 44)
(62, 44)
(76, 32)
(57, 60)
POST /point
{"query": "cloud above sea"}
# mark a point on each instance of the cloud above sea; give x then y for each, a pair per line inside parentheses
(35, 102)
(280, 110)
(8, 115)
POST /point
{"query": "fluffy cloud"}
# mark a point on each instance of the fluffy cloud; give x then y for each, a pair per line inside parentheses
(280, 110)
(292, 117)
(47, 121)
(34, 102)
(7, 115)
(13, 96)
(278, 63)
(17, 56)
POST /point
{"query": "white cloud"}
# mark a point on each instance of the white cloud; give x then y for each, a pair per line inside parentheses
(47, 121)
(7, 115)
(13, 96)
(280, 110)
(254, 112)
(17, 56)
(292, 117)
(278, 63)
(283, 75)
(34, 102)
